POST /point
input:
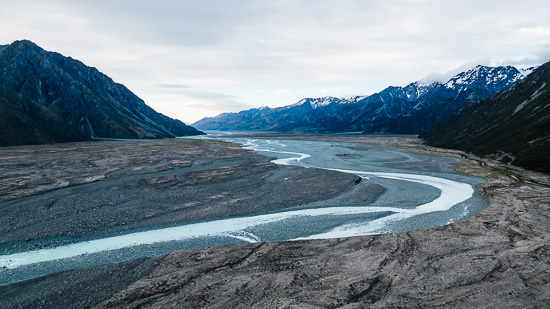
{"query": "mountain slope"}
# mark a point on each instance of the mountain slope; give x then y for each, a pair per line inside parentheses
(441, 101)
(412, 109)
(89, 103)
(23, 121)
(512, 126)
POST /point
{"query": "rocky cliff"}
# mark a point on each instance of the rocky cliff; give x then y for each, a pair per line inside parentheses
(84, 102)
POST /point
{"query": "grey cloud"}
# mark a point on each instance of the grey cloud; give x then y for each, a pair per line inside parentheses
(214, 99)
(186, 23)
(540, 56)
(444, 77)
(182, 46)
(174, 86)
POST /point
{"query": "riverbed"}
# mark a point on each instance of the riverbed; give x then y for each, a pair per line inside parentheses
(409, 191)
(420, 191)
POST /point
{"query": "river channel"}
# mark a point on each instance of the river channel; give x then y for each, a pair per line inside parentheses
(418, 191)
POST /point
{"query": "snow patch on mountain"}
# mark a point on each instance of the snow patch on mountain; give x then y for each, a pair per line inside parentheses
(316, 102)
(380, 112)
(527, 71)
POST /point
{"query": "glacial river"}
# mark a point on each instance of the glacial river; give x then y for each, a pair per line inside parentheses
(420, 191)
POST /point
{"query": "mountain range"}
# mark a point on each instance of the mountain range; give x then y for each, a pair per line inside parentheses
(46, 97)
(513, 126)
(412, 109)
(499, 112)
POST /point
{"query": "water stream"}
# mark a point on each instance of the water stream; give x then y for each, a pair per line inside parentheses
(420, 192)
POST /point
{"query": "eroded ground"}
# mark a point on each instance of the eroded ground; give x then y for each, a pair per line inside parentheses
(498, 258)
(56, 194)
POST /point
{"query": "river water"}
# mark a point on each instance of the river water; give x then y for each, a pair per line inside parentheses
(420, 191)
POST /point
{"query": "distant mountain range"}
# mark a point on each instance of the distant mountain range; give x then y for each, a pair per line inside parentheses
(491, 111)
(513, 126)
(412, 109)
(46, 97)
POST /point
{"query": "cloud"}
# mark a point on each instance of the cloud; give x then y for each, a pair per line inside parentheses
(274, 92)
(174, 86)
(190, 104)
(223, 54)
(538, 57)
(211, 99)
(446, 76)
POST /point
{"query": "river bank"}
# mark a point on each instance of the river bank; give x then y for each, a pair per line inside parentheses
(496, 258)
(61, 194)
(412, 191)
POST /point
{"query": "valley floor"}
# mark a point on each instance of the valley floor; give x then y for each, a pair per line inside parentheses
(498, 258)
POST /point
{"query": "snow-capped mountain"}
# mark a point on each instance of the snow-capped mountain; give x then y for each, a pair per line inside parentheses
(412, 109)
(486, 77)
(439, 100)
(318, 102)
(511, 126)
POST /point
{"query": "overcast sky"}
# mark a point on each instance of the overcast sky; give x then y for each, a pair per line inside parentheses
(191, 59)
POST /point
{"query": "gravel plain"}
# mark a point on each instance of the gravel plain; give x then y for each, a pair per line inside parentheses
(498, 258)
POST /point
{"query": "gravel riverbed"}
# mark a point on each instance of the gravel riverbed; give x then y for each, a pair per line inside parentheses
(499, 257)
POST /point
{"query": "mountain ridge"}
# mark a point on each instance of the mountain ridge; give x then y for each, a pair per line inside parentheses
(88, 100)
(512, 126)
(411, 109)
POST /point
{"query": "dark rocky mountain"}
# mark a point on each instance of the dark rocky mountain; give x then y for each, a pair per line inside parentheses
(441, 100)
(68, 101)
(512, 126)
(23, 121)
(412, 109)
